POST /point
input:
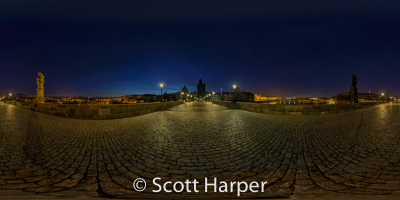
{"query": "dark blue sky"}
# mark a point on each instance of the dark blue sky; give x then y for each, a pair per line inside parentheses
(114, 48)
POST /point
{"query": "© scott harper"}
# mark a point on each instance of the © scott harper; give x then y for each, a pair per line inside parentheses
(210, 185)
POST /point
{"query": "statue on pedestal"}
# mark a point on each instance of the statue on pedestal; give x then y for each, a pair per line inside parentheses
(387, 97)
(353, 90)
(40, 88)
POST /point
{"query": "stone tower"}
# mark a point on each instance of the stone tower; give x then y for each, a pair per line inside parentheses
(40, 88)
(201, 89)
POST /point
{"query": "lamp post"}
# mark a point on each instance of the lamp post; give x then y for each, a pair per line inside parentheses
(182, 96)
(161, 86)
(234, 90)
(213, 95)
(221, 95)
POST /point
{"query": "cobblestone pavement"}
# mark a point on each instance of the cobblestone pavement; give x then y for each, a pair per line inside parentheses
(356, 152)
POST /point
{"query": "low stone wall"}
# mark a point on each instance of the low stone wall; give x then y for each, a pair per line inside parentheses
(285, 109)
(228, 104)
(25, 105)
(99, 111)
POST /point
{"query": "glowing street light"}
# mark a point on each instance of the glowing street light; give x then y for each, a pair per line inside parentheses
(161, 86)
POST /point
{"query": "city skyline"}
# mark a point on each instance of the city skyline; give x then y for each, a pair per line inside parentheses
(192, 89)
(303, 49)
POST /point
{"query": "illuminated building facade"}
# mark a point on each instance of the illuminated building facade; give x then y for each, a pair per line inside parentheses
(258, 97)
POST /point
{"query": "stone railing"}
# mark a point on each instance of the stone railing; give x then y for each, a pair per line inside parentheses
(228, 104)
(285, 109)
(99, 111)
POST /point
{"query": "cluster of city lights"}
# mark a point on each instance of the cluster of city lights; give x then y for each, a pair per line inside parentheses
(208, 95)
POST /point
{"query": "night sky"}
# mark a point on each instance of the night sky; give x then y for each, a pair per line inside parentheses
(116, 48)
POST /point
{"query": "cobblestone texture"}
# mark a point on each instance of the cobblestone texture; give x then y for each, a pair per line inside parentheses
(356, 152)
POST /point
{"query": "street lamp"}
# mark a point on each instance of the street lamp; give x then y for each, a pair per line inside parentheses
(161, 86)
(182, 96)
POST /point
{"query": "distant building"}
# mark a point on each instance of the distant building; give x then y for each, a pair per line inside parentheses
(184, 94)
(85, 100)
(169, 96)
(184, 89)
(195, 96)
(238, 96)
(139, 98)
(362, 97)
(201, 89)
(224, 96)
(228, 96)
(243, 96)
(259, 98)
(23, 97)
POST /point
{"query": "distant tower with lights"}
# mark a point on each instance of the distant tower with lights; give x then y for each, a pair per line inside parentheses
(201, 89)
